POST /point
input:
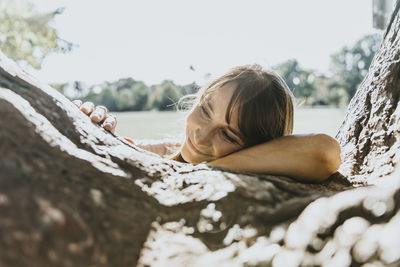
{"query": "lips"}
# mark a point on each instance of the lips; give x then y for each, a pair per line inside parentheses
(193, 147)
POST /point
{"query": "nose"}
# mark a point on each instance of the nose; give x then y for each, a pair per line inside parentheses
(202, 136)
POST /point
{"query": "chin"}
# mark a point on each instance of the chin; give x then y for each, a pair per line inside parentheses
(190, 157)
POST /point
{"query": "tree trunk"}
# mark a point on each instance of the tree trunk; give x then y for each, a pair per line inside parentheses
(72, 194)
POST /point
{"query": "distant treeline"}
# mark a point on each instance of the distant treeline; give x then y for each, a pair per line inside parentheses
(347, 70)
(128, 94)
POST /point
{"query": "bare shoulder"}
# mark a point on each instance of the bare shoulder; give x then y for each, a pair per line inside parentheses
(161, 147)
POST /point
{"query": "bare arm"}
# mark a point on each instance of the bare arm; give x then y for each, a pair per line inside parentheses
(310, 158)
(163, 148)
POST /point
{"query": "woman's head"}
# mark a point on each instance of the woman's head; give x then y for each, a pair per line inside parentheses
(246, 106)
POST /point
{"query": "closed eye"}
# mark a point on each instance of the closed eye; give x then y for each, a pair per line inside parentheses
(228, 137)
(204, 111)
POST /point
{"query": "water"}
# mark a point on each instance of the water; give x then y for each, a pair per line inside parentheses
(318, 120)
(169, 124)
(150, 124)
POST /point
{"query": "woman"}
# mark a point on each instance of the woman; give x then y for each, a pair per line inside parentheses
(244, 121)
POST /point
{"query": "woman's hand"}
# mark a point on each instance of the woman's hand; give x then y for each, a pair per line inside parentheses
(98, 114)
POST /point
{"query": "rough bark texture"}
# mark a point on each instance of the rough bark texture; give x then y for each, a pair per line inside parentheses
(369, 136)
(72, 194)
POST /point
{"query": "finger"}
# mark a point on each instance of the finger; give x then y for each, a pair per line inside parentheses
(87, 107)
(110, 123)
(99, 114)
(77, 102)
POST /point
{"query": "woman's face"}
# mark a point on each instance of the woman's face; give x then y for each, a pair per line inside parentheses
(208, 135)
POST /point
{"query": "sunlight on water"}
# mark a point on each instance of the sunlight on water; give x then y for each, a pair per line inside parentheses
(169, 124)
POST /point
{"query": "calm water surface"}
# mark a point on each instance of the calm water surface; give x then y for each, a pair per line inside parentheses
(169, 124)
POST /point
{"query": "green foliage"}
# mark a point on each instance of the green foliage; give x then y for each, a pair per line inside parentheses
(129, 95)
(122, 95)
(189, 89)
(299, 80)
(165, 96)
(27, 35)
(325, 95)
(350, 65)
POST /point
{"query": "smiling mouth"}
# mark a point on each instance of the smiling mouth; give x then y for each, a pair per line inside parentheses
(191, 145)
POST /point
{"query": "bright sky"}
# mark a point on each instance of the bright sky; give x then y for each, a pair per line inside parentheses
(153, 40)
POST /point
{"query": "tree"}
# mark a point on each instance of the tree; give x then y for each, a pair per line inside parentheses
(122, 95)
(125, 100)
(165, 96)
(127, 94)
(107, 98)
(27, 35)
(140, 96)
(299, 80)
(189, 89)
(72, 194)
(350, 65)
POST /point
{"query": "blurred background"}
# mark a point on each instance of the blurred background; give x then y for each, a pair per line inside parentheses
(138, 58)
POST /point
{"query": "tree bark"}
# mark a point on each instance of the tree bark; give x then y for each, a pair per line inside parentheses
(72, 194)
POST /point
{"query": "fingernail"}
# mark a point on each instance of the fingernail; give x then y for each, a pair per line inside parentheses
(102, 108)
(95, 117)
(87, 106)
(77, 102)
(100, 112)
(108, 124)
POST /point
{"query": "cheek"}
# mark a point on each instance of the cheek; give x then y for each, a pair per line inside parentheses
(191, 120)
(223, 148)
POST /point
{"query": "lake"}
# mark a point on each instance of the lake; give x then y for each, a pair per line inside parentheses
(169, 124)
